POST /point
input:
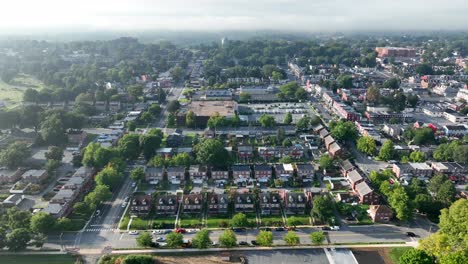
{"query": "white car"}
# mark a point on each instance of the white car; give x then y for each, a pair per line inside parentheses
(335, 228)
(156, 232)
(160, 239)
(133, 232)
(124, 205)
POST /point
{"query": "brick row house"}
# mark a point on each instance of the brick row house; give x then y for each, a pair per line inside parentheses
(269, 203)
(217, 203)
(295, 203)
(366, 194)
(166, 205)
(141, 205)
(244, 203)
(263, 172)
(192, 203)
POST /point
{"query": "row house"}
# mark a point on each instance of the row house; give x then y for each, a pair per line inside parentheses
(380, 213)
(267, 153)
(366, 194)
(141, 205)
(241, 173)
(335, 150)
(295, 203)
(412, 169)
(345, 111)
(244, 203)
(219, 175)
(323, 133)
(305, 171)
(167, 205)
(456, 172)
(284, 171)
(197, 173)
(354, 178)
(175, 174)
(245, 152)
(328, 140)
(217, 204)
(269, 203)
(192, 203)
(10, 176)
(263, 172)
(35, 176)
(154, 175)
(345, 167)
(384, 117)
(167, 153)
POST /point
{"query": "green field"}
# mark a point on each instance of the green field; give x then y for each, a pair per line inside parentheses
(12, 92)
(214, 222)
(396, 253)
(37, 259)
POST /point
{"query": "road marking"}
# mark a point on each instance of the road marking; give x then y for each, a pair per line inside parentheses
(121, 236)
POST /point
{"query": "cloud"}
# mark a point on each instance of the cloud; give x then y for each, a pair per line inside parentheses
(206, 15)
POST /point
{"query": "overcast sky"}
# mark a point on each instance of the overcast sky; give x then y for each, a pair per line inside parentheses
(215, 15)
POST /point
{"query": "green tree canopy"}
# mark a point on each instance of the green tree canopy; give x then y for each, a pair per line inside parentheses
(14, 155)
(213, 153)
(415, 256)
(137, 174)
(202, 239)
(42, 222)
(265, 238)
(387, 151)
(228, 239)
(129, 146)
(144, 240)
(267, 121)
(345, 131)
(366, 145)
(317, 238)
(174, 239)
(291, 238)
(18, 239)
(239, 220)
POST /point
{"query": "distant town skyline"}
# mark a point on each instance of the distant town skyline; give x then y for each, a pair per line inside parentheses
(26, 16)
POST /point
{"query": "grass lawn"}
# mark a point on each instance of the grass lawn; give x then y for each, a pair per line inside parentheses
(271, 220)
(188, 221)
(214, 222)
(140, 224)
(396, 253)
(37, 259)
(13, 92)
(123, 225)
(298, 220)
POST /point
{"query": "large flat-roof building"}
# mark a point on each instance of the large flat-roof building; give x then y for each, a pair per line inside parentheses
(203, 110)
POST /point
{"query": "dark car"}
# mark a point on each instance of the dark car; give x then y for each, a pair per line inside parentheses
(243, 243)
(411, 234)
(326, 228)
(265, 229)
(279, 229)
(239, 230)
(254, 242)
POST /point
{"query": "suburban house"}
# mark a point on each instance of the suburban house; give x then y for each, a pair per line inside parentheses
(412, 169)
(269, 203)
(240, 173)
(35, 176)
(366, 194)
(294, 203)
(9, 176)
(175, 174)
(219, 175)
(76, 137)
(354, 177)
(244, 203)
(197, 173)
(141, 205)
(266, 153)
(284, 171)
(305, 171)
(167, 205)
(13, 200)
(192, 203)
(380, 213)
(154, 175)
(245, 152)
(165, 152)
(262, 172)
(217, 203)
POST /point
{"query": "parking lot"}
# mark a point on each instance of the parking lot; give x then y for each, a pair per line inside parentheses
(278, 110)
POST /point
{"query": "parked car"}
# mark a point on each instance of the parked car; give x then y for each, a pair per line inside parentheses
(160, 239)
(280, 229)
(335, 228)
(124, 204)
(326, 228)
(181, 231)
(243, 243)
(126, 199)
(98, 213)
(265, 229)
(411, 234)
(239, 230)
(133, 184)
(254, 242)
(214, 244)
(133, 232)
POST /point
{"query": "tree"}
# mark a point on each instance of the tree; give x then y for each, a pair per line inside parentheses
(3, 237)
(345, 81)
(31, 116)
(177, 73)
(135, 91)
(415, 256)
(213, 153)
(288, 118)
(100, 194)
(54, 153)
(291, 238)
(317, 238)
(325, 162)
(265, 238)
(137, 174)
(417, 156)
(190, 119)
(38, 240)
(155, 109)
(53, 130)
(146, 118)
(387, 150)
(424, 69)
(239, 220)
(267, 121)
(31, 95)
(14, 155)
(244, 97)
(138, 259)
(202, 239)
(401, 203)
(181, 159)
(109, 176)
(442, 189)
(453, 222)
(18, 239)
(366, 145)
(392, 83)
(345, 131)
(149, 143)
(173, 106)
(144, 240)
(42, 222)
(322, 207)
(373, 94)
(81, 208)
(174, 239)
(18, 219)
(454, 258)
(303, 123)
(228, 239)
(412, 100)
(129, 146)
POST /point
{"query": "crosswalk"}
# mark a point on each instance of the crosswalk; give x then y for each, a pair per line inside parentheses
(100, 229)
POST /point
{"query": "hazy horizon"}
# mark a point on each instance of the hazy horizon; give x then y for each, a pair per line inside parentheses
(55, 16)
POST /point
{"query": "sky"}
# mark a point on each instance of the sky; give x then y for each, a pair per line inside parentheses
(217, 15)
